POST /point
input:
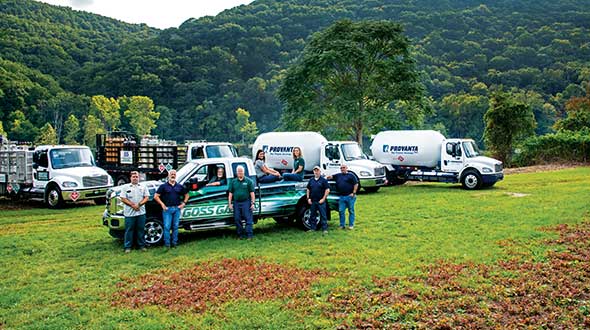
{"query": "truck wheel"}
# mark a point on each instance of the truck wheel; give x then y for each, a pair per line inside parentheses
(121, 180)
(372, 189)
(304, 216)
(154, 231)
(287, 221)
(53, 197)
(471, 180)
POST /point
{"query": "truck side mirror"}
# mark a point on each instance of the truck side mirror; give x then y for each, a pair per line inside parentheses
(451, 149)
(35, 166)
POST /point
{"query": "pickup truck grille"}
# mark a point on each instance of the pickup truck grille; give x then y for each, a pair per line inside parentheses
(95, 181)
(380, 171)
(498, 168)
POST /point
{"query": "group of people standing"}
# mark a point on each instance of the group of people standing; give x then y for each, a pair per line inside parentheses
(172, 197)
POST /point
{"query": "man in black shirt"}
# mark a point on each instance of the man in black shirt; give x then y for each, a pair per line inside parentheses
(172, 196)
(347, 186)
(317, 194)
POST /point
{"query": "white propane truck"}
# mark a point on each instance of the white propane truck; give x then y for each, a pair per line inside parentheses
(54, 174)
(318, 151)
(428, 156)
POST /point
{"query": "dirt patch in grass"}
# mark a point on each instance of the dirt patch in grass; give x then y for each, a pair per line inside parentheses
(513, 294)
(542, 168)
(212, 284)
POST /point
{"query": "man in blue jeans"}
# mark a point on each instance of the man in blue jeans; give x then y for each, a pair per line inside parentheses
(241, 202)
(317, 194)
(347, 185)
(172, 196)
(134, 196)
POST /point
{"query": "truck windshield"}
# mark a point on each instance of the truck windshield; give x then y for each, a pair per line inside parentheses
(70, 157)
(352, 151)
(471, 149)
(218, 151)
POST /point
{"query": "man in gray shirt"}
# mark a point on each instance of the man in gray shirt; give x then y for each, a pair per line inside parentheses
(134, 196)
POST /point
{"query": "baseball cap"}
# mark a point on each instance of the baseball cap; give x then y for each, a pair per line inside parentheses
(316, 167)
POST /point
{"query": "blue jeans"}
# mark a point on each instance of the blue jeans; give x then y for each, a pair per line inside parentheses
(315, 207)
(171, 218)
(268, 178)
(135, 226)
(242, 211)
(292, 177)
(346, 202)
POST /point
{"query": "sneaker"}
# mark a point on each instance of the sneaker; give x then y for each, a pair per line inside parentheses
(143, 249)
(127, 250)
(351, 227)
(249, 238)
(324, 232)
(174, 246)
(342, 227)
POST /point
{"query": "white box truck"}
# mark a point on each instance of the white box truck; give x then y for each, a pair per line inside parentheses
(428, 156)
(317, 150)
(54, 174)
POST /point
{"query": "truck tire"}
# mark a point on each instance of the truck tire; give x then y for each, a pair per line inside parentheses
(303, 214)
(121, 180)
(286, 221)
(118, 234)
(471, 180)
(154, 231)
(372, 189)
(53, 198)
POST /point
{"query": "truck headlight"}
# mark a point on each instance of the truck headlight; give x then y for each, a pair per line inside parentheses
(69, 184)
(365, 173)
(487, 170)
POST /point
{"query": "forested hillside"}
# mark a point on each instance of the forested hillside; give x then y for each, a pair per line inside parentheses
(200, 73)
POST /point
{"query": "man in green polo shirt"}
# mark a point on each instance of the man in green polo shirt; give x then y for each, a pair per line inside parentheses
(241, 202)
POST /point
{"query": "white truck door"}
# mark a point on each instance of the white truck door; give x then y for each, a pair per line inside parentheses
(330, 158)
(451, 156)
(41, 169)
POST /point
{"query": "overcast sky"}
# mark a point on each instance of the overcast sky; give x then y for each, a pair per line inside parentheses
(155, 13)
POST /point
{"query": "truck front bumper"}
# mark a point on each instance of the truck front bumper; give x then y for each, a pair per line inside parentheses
(83, 194)
(490, 179)
(113, 221)
(373, 182)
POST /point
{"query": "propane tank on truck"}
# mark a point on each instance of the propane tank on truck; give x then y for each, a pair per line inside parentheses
(428, 156)
(318, 151)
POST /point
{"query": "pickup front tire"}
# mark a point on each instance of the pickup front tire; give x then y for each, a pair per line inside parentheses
(154, 231)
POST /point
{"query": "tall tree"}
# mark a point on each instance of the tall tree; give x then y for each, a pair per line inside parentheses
(246, 128)
(47, 135)
(350, 73)
(71, 130)
(92, 126)
(578, 113)
(107, 110)
(141, 114)
(21, 128)
(508, 121)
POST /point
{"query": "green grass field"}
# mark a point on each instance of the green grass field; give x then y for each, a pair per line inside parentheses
(61, 269)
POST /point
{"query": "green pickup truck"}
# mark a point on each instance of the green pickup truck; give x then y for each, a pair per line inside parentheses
(207, 207)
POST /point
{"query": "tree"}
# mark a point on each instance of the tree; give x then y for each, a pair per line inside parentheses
(508, 121)
(349, 73)
(141, 114)
(21, 128)
(578, 114)
(245, 127)
(2, 132)
(71, 130)
(107, 109)
(92, 126)
(47, 135)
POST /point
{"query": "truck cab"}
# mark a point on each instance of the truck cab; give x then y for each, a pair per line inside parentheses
(371, 175)
(57, 174)
(203, 149)
(463, 158)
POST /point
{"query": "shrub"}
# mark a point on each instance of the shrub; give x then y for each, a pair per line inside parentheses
(563, 146)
